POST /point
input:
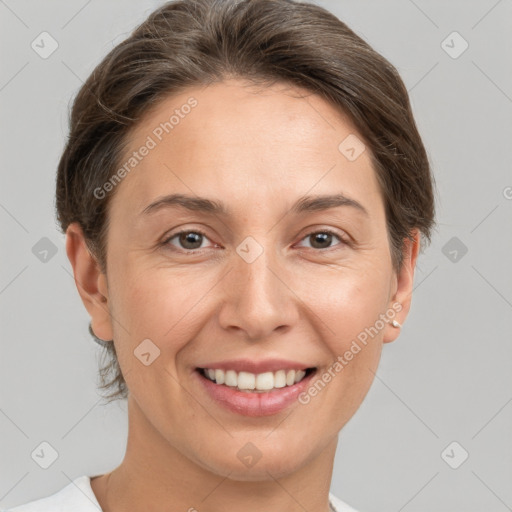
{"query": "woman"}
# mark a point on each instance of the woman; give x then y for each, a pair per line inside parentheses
(244, 194)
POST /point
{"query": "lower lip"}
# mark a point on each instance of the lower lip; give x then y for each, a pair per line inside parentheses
(254, 404)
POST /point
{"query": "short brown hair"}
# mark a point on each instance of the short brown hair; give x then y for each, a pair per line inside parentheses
(187, 43)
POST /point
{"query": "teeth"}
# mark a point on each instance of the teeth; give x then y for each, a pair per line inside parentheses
(246, 381)
(299, 375)
(280, 379)
(265, 381)
(219, 376)
(231, 378)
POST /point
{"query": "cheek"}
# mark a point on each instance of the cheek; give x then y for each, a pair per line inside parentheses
(349, 303)
(162, 305)
(154, 314)
(350, 307)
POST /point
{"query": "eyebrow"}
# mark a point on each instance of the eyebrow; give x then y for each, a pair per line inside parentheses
(203, 204)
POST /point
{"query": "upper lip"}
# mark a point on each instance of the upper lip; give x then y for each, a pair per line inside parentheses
(252, 366)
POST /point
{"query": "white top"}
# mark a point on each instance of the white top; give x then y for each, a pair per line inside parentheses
(78, 496)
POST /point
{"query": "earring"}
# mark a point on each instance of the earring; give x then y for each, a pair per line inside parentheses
(394, 323)
(101, 342)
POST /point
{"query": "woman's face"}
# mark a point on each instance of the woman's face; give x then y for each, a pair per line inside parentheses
(273, 282)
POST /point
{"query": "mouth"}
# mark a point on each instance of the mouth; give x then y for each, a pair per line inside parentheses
(254, 387)
(247, 382)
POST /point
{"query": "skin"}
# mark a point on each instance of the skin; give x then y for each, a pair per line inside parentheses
(257, 150)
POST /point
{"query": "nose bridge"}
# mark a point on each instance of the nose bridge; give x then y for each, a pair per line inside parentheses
(259, 301)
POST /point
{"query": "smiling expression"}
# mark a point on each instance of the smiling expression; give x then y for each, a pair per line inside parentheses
(246, 241)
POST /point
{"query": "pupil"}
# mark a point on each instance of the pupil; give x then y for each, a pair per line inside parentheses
(322, 237)
(191, 238)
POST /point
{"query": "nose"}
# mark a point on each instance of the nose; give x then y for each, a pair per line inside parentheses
(259, 299)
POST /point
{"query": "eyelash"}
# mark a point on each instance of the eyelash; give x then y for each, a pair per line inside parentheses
(342, 239)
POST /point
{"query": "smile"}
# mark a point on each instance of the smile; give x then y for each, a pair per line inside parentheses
(270, 388)
(255, 383)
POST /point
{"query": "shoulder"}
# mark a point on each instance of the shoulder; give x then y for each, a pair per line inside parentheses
(76, 496)
(79, 497)
(340, 506)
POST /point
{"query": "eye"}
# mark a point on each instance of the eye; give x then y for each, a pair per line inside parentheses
(188, 240)
(192, 240)
(322, 239)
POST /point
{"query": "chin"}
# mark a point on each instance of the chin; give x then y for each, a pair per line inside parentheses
(251, 464)
(263, 470)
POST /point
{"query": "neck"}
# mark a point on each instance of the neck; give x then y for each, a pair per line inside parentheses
(154, 473)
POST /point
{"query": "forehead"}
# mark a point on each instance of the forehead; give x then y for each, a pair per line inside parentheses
(241, 143)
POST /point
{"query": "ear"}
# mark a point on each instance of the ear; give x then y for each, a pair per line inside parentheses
(90, 281)
(404, 286)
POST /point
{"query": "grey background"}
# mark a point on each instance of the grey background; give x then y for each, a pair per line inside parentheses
(447, 378)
